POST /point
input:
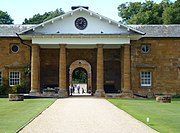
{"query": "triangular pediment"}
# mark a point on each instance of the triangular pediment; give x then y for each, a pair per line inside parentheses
(65, 24)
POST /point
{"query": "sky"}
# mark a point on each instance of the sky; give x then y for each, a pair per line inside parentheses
(21, 9)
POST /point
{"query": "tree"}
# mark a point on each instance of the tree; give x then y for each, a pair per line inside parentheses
(128, 10)
(149, 12)
(5, 18)
(38, 18)
(79, 76)
(171, 14)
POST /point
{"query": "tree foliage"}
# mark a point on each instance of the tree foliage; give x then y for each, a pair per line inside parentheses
(5, 18)
(79, 76)
(38, 18)
(150, 12)
(171, 14)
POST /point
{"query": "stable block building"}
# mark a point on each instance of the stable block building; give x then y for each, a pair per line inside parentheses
(121, 59)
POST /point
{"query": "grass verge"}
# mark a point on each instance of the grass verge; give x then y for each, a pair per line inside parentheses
(164, 117)
(14, 114)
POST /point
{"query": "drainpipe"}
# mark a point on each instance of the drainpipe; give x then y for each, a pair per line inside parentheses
(29, 48)
(25, 44)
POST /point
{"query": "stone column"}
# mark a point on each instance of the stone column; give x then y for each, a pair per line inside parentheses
(62, 71)
(122, 67)
(35, 70)
(89, 87)
(100, 72)
(70, 77)
(126, 72)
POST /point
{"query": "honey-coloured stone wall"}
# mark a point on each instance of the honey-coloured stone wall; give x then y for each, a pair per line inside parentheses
(162, 60)
(49, 67)
(112, 70)
(88, 55)
(13, 61)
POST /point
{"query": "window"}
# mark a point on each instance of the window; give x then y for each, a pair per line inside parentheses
(145, 48)
(145, 78)
(14, 48)
(14, 78)
(0, 77)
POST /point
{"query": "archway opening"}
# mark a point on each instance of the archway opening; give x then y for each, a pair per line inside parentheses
(80, 82)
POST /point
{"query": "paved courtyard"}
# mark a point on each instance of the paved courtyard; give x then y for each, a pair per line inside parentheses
(85, 115)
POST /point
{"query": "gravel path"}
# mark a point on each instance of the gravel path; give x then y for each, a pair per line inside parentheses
(85, 115)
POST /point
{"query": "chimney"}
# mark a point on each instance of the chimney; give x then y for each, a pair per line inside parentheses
(75, 7)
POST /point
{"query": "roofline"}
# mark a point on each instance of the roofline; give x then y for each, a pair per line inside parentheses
(9, 36)
(153, 24)
(156, 37)
(91, 13)
(76, 34)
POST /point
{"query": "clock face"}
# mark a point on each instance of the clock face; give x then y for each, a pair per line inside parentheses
(81, 23)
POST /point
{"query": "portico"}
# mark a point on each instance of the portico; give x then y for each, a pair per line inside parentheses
(57, 43)
(64, 70)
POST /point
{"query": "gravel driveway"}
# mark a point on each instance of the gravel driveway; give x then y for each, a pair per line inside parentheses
(85, 115)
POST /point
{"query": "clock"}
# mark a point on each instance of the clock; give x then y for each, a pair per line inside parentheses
(81, 23)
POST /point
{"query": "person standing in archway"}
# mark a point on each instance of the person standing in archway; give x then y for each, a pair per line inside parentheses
(83, 91)
(70, 90)
(78, 88)
(73, 89)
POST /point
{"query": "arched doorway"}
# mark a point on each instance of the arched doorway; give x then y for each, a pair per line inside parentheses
(80, 67)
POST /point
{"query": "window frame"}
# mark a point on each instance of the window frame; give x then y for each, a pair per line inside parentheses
(147, 45)
(146, 80)
(14, 44)
(14, 78)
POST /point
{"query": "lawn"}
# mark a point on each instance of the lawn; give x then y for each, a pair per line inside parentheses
(164, 117)
(14, 114)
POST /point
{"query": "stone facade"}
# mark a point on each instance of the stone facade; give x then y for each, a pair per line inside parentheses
(49, 67)
(10, 61)
(112, 70)
(13, 59)
(123, 59)
(83, 66)
(88, 55)
(162, 60)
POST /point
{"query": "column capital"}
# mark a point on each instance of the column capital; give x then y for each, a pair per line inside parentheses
(35, 45)
(126, 45)
(62, 45)
(100, 45)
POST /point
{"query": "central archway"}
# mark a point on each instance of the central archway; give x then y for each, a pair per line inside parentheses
(81, 64)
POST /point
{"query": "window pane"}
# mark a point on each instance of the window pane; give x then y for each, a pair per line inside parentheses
(145, 78)
(145, 48)
(15, 48)
(14, 78)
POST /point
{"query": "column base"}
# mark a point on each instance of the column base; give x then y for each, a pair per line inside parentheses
(99, 93)
(63, 93)
(34, 92)
(127, 94)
